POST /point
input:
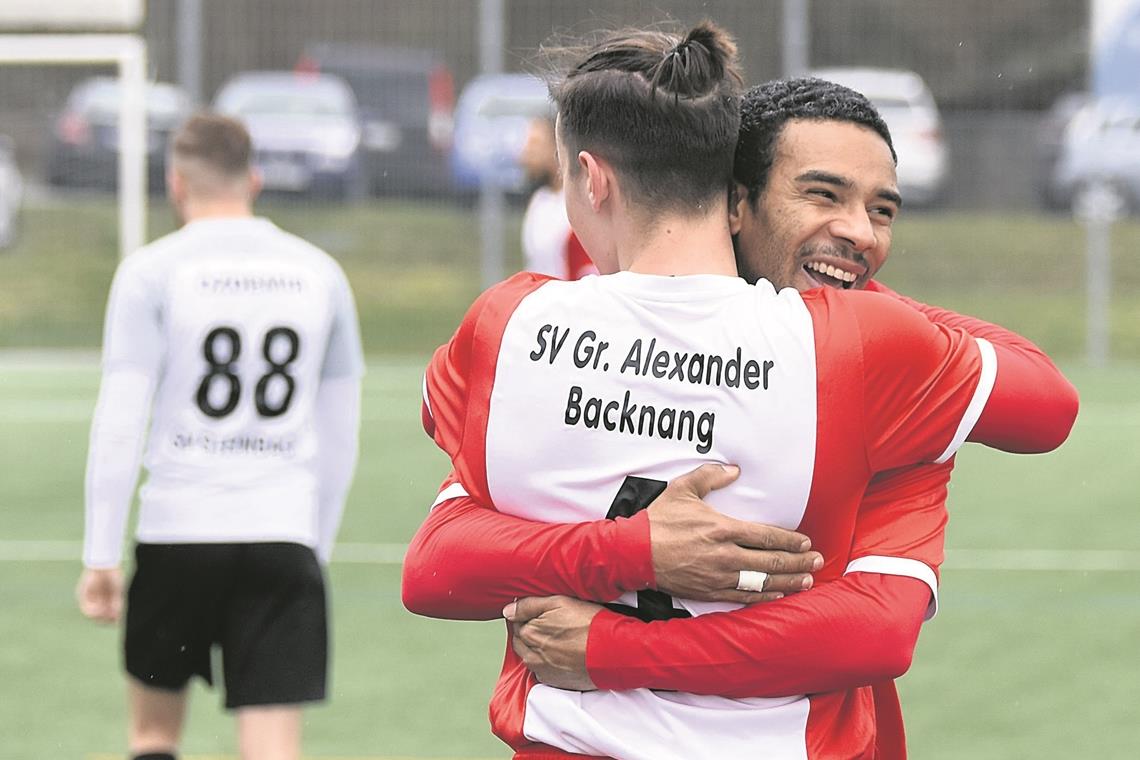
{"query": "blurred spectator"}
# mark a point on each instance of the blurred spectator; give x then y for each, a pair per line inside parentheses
(549, 245)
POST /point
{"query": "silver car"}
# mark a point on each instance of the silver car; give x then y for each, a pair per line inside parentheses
(305, 129)
(907, 106)
(1100, 156)
(11, 192)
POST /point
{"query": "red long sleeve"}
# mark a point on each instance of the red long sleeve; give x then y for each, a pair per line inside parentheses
(467, 562)
(1032, 406)
(854, 631)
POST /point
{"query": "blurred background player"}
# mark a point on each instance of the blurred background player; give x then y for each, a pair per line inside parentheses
(549, 245)
(241, 342)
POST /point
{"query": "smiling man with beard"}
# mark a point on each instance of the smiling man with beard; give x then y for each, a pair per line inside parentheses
(817, 194)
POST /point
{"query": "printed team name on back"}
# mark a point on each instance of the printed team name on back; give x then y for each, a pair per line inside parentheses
(247, 284)
(647, 359)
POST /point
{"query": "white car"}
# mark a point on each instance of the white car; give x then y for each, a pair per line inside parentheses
(906, 105)
(11, 191)
(305, 129)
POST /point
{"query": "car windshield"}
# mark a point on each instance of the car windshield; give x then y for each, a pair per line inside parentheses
(501, 106)
(398, 95)
(162, 101)
(285, 99)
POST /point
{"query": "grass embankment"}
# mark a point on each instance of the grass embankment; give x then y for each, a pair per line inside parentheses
(415, 268)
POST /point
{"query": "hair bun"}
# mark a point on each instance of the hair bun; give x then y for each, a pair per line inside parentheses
(696, 65)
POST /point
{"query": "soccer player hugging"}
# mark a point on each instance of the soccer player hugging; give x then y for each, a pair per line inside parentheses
(646, 357)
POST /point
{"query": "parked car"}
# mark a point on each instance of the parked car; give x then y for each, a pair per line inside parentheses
(305, 130)
(908, 108)
(1100, 153)
(11, 192)
(407, 99)
(84, 149)
(491, 121)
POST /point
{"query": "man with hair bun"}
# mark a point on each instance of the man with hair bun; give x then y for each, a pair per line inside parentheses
(240, 343)
(843, 386)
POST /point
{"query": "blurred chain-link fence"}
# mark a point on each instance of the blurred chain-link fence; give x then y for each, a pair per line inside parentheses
(993, 68)
(1001, 82)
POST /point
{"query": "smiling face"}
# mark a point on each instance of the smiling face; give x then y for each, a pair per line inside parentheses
(825, 216)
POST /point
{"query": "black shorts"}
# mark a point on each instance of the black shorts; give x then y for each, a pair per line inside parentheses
(263, 603)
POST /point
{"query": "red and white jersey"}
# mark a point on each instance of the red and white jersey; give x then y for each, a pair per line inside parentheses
(549, 245)
(565, 401)
(237, 322)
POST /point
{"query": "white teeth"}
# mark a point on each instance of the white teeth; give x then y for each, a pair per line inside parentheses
(831, 271)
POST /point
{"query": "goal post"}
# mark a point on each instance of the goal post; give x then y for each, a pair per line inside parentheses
(71, 15)
(72, 42)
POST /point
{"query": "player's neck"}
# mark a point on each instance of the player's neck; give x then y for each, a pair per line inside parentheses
(194, 211)
(680, 245)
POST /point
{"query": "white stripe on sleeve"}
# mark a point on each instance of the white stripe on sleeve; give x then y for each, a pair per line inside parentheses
(427, 401)
(453, 491)
(978, 402)
(904, 566)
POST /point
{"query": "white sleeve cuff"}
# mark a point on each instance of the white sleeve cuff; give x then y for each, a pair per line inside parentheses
(910, 568)
(981, 395)
(453, 491)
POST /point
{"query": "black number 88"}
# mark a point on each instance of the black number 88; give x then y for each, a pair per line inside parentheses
(223, 368)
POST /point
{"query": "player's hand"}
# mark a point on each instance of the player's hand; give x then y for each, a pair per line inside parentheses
(550, 635)
(698, 553)
(100, 594)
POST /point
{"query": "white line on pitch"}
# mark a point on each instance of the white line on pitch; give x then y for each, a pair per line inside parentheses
(70, 551)
(80, 411)
(1078, 560)
(1058, 560)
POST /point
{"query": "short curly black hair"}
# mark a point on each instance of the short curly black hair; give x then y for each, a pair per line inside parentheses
(766, 108)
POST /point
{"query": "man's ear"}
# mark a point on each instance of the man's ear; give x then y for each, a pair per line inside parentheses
(256, 183)
(737, 200)
(175, 185)
(599, 178)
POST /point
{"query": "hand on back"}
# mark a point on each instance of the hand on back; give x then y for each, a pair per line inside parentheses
(698, 552)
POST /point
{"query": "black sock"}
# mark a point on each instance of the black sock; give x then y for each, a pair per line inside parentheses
(155, 756)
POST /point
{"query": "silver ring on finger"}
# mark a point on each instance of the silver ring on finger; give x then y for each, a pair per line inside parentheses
(751, 580)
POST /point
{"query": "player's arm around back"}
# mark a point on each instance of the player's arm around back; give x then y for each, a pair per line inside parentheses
(856, 630)
(132, 356)
(467, 560)
(1033, 405)
(929, 387)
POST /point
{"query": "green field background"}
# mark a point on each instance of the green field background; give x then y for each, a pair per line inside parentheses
(415, 268)
(1034, 654)
(1019, 663)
